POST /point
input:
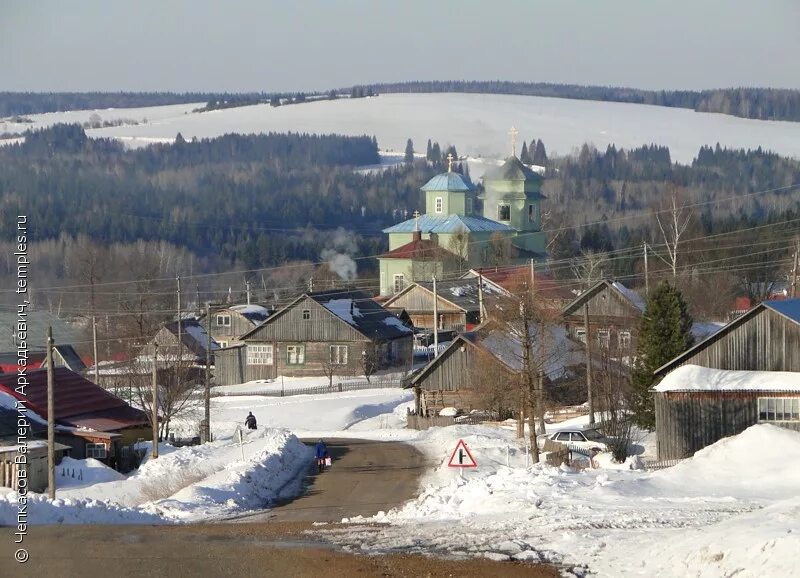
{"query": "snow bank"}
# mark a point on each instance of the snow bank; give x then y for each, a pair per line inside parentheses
(274, 472)
(697, 378)
(70, 511)
(75, 473)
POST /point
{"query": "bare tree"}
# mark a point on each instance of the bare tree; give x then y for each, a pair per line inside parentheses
(459, 247)
(673, 218)
(501, 250)
(589, 267)
(369, 360)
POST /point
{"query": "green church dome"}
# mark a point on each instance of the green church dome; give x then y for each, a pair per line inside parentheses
(512, 170)
(449, 181)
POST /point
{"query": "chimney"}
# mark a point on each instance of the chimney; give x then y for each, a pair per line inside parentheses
(352, 306)
(417, 236)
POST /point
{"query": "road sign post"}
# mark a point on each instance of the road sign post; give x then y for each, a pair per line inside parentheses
(461, 458)
(239, 437)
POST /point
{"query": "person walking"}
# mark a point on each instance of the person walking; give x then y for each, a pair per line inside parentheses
(321, 452)
(250, 421)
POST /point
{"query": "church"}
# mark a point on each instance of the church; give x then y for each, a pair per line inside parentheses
(462, 229)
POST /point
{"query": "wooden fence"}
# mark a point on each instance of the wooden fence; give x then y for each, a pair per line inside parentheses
(317, 389)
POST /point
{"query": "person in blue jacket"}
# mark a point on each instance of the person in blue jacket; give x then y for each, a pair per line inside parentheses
(321, 452)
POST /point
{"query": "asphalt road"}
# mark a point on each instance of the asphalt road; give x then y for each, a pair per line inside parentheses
(365, 478)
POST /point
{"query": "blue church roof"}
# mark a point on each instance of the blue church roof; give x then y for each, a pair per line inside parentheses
(787, 307)
(448, 224)
(449, 181)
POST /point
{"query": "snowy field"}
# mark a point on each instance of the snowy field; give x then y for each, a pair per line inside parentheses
(730, 510)
(477, 124)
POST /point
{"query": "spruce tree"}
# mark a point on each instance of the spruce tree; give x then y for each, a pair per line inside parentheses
(429, 151)
(523, 153)
(664, 333)
(409, 156)
(540, 154)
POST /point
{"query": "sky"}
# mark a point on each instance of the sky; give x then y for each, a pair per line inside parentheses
(263, 45)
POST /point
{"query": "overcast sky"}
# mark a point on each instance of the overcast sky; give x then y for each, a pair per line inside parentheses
(263, 45)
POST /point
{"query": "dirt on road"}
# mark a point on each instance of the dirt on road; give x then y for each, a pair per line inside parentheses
(366, 477)
(220, 550)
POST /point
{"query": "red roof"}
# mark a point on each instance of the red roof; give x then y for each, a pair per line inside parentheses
(78, 402)
(509, 278)
(742, 304)
(419, 249)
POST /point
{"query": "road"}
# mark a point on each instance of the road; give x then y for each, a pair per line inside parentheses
(365, 478)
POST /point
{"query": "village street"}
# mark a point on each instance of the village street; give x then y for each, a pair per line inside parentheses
(367, 477)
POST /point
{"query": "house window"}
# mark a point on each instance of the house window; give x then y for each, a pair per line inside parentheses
(603, 338)
(470, 205)
(580, 335)
(504, 212)
(295, 354)
(259, 355)
(223, 344)
(338, 354)
(439, 205)
(399, 282)
(779, 409)
(223, 320)
(531, 217)
(624, 339)
(96, 451)
(306, 314)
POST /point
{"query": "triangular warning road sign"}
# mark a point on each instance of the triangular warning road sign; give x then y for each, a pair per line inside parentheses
(461, 458)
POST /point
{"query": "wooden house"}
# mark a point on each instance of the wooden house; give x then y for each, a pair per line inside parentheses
(63, 356)
(90, 420)
(766, 338)
(457, 301)
(330, 331)
(697, 406)
(227, 325)
(614, 313)
(193, 342)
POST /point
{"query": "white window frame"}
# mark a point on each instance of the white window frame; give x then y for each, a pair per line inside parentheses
(500, 206)
(223, 344)
(98, 451)
(298, 352)
(260, 354)
(580, 334)
(624, 339)
(338, 354)
(223, 320)
(604, 338)
(438, 205)
(306, 314)
(777, 407)
(402, 285)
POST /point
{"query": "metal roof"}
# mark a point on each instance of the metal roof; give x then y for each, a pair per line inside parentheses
(512, 170)
(420, 250)
(78, 401)
(789, 308)
(359, 310)
(449, 182)
(449, 224)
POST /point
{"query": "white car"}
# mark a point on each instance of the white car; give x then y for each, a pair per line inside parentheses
(587, 438)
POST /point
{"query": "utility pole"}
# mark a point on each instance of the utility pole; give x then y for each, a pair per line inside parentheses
(51, 420)
(533, 276)
(646, 272)
(247, 288)
(540, 400)
(207, 393)
(588, 362)
(180, 342)
(481, 309)
(94, 347)
(795, 271)
(435, 320)
(154, 453)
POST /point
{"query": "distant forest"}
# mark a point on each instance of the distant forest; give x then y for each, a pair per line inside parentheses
(286, 201)
(755, 103)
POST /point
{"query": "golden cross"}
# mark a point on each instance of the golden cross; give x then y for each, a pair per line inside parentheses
(513, 134)
(449, 162)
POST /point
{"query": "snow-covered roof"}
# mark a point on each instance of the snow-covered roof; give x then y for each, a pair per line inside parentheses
(630, 295)
(697, 378)
(254, 313)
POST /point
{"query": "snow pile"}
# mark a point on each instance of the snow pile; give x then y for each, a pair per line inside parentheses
(273, 473)
(697, 378)
(700, 518)
(75, 473)
(71, 511)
